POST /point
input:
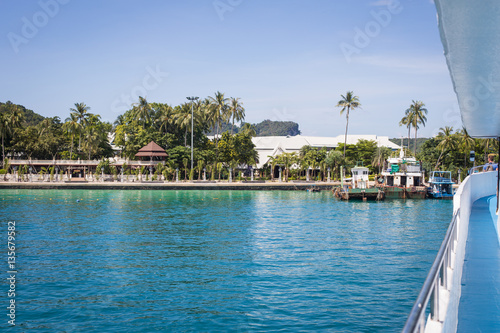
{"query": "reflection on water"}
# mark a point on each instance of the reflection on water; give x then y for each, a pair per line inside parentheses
(219, 260)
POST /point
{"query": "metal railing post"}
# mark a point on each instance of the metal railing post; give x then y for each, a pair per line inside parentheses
(438, 276)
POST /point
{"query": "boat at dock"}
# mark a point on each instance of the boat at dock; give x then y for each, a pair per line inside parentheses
(403, 178)
(440, 185)
(358, 189)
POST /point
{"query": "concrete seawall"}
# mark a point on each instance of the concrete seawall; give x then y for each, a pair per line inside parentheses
(169, 186)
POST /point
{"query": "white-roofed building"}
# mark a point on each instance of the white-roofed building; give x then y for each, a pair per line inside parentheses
(267, 146)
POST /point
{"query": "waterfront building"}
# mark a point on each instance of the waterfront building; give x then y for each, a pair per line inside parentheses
(272, 146)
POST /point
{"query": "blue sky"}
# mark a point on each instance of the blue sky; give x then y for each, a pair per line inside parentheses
(286, 60)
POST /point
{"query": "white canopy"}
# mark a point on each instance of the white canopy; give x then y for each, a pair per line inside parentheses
(470, 33)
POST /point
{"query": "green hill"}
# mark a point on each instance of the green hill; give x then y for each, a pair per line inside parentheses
(420, 142)
(30, 118)
(265, 128)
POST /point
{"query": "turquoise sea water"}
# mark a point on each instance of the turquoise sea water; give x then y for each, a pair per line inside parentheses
(244, 261)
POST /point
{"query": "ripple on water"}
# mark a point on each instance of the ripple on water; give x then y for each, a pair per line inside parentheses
(219, 261)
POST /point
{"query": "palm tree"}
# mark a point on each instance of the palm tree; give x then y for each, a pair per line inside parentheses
(219, 166)
(93, 135)
(165, 116)
(4, 129)
(72, 127)
(10, 118)
(218, 111)
(200, 168)
(446, 141)
(348, 102)
(417, 111)
(182, 118)
(334, 160)
(487, 144)
(466, 143)
(81, 113)
(407, 121)
(380, 156)
(142, 111)
(287, 160)
(236, 111)
(248, 129)
(185, 162)
(120, 120)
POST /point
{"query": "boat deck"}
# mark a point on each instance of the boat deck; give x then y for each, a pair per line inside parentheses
(479, 308)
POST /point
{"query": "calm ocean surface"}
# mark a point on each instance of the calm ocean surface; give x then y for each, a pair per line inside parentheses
(216, 261)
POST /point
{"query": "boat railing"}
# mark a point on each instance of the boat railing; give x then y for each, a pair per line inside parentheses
(413, 168)
(437, 277)
(440, 180)
(483, 168)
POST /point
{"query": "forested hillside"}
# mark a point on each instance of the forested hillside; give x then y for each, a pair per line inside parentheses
(277, 128)
(264, 128)
(30, 118)
(420, 142)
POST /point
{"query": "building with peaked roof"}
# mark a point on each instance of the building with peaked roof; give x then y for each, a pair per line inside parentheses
(152, 150)
(268, 146)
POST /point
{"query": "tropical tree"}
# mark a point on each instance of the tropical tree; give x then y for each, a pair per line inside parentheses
(219, 166)
(466, 143)
(182, 118)
(287, 160)
(185, 162)
(248, 129)
(218, 110)
(165, 115)
(334, 160)
(200, 165)
(407, 121)
(273, 160)
(236, 111)
(80, 111)
(488, 143)
(417, 116)
(446, 141)
(380, 156)
(142, 111)
(72, 128)
(348, 102)
(10, 118)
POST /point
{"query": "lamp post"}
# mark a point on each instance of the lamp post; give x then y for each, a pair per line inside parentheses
(192, 99)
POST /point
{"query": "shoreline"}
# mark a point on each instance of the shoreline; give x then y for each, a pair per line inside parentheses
(168, 186)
